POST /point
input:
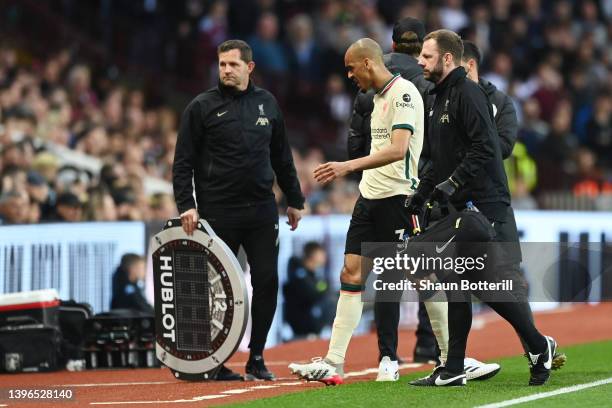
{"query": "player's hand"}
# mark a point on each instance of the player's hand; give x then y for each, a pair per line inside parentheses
(189, 220)
(294, 216)
(330, 171)
(444, 190)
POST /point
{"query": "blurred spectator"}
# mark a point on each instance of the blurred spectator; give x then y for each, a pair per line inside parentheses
(68, 208)
(14, 207)
(599, 130)
(452, 15)
(307, 306)
(128, 285)
(100, 206)
(533, 130)
(521, 199)
(556, 152)
(163, 207)
(268, 52)
(520, 169)
(304, 55)
(588, 180)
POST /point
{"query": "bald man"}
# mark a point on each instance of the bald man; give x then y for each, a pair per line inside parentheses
(389, 180)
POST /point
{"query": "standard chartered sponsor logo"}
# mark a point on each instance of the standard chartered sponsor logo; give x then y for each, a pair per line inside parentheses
(380, 133)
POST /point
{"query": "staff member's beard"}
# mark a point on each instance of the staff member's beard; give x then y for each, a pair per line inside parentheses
(436, 74)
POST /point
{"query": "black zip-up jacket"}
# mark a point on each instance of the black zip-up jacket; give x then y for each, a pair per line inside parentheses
(232, 143)
(505, 117)
(359, 138)
(463, 143)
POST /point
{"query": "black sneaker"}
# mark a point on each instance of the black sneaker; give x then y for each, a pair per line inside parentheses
(541, 364)
(225, 374)
(441, 377)
(256, 370)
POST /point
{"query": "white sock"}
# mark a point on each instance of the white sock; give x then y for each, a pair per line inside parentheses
(348, 315)
(437, 310)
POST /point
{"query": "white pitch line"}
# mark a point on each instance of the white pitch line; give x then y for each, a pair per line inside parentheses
(194, 399)
(238, 391)
(564, 390)
(228, 393)
(264, 387)
(116, 384)
(209, 397)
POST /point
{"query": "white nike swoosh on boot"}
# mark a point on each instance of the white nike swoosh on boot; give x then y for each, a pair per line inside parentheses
(440, 381)
(548, 363)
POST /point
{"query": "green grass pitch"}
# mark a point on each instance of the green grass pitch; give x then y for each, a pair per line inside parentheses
(586, 363)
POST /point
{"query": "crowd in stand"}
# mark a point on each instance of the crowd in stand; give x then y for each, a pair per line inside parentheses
(553, 58)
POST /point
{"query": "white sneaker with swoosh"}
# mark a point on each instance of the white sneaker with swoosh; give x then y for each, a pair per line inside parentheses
(477, 370)
(388, 370)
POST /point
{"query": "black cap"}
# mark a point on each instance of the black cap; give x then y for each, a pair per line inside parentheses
(408, 24)
(69, 200)
(35, 179)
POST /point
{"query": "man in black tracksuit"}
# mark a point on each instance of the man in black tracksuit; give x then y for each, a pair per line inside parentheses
(506, 124)
(232, 143)
(467, 166)
(408, 36)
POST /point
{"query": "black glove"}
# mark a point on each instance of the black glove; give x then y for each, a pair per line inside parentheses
(444, 190)
(414, 205)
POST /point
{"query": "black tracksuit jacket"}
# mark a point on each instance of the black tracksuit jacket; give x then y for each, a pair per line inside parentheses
(463, 143)
(232, 144)
(505, 117)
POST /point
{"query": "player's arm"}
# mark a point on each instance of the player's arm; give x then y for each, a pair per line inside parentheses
(396, 151)
(507, 127)
(284, 168)
(389, 154)
(402, 127)
(183, 168)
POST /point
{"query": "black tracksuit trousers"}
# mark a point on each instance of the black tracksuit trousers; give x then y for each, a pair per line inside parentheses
(260, 242)
(517, 313)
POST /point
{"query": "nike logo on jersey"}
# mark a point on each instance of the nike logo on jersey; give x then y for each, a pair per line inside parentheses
(219, 114)
(443, 247)
(440, 381)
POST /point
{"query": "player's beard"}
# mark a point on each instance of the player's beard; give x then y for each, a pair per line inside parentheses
(436, 73)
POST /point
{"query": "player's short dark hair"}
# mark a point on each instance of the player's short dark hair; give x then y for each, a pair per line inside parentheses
(246, 53)
(310, 248)
(448, 42)
(409, 44)
(471, 51)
